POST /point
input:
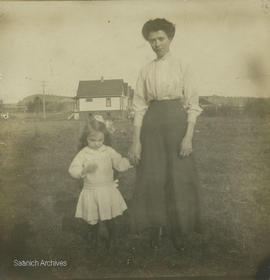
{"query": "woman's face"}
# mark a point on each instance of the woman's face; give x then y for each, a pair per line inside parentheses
(159, 42)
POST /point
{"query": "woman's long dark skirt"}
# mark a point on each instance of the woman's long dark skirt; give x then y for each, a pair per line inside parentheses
(166, 192)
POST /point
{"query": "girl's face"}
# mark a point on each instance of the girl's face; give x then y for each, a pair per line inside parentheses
(95, 140)
(159, 42)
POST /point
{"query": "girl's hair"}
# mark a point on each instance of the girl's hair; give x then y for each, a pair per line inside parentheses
(93, 125)
(94, 133)
(156, 25)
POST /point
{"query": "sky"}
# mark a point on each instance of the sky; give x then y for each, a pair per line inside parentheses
(62, 42)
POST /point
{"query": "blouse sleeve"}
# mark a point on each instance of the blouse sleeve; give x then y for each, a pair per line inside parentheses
(139, 103)
(76, 166)
(191, 98)
(119, 163)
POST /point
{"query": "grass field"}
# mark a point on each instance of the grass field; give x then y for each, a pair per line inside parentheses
(38, 199)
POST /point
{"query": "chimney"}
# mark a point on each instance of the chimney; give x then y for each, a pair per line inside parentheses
(102, 79)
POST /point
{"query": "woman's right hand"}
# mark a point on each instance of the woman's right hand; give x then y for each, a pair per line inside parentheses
(134, 153)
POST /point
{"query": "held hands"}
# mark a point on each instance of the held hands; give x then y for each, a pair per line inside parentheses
(185, 147)
(130, 165)
(134, 153)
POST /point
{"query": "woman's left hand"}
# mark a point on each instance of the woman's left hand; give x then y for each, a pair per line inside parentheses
(185, 147)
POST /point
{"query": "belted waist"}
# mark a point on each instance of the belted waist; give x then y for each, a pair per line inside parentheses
(170, 103)
(167, 99)
(94, 186)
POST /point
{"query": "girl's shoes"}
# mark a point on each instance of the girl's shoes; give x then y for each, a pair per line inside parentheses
(178, 243)
(155, 244)
(156, 238)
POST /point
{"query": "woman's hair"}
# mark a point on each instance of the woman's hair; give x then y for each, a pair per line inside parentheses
(156, 25)
(93, 125)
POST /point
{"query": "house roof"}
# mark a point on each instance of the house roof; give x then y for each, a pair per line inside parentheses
(100, 88)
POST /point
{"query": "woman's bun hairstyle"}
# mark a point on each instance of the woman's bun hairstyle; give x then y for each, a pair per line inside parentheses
(158, 24)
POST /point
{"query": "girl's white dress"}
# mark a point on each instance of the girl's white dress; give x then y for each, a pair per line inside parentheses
(99, 199)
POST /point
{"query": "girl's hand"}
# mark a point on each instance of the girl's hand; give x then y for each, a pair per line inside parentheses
(90, 168)
(134, 153)
(185, 147)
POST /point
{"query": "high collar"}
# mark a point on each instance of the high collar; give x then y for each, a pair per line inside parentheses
(164, 57)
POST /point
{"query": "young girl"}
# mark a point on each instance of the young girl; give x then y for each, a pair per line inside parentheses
(100, 200)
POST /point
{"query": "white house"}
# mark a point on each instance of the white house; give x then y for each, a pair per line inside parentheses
(103, 95)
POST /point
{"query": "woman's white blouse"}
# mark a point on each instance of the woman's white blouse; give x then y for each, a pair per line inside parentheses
(165, 78)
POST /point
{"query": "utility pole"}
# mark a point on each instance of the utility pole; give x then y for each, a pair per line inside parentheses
(43, 84)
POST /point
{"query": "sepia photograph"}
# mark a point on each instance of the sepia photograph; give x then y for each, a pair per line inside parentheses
(135, 139)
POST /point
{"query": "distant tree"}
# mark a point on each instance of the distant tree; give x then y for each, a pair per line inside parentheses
(30, 106)
(1, 105)
(34, 106)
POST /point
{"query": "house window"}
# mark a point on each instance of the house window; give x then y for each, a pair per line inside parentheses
(108, 102)
(89, 99)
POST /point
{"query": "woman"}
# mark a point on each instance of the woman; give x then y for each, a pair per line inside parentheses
(166, 108)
